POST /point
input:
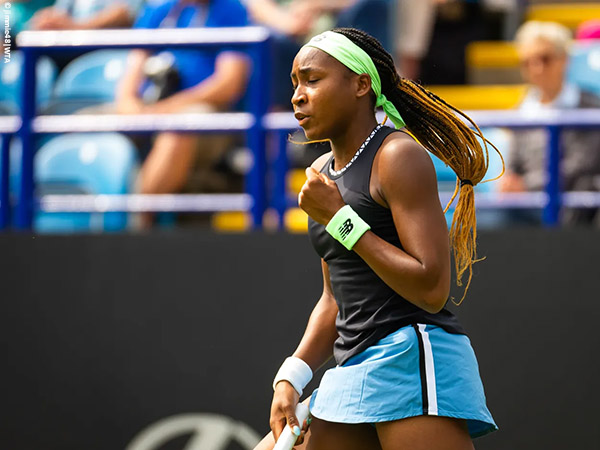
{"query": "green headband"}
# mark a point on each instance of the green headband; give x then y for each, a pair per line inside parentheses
(358, 61)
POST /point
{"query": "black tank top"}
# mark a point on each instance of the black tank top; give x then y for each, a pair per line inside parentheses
(368, 308)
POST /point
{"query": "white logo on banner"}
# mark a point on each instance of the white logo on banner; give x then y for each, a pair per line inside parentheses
(209, 432)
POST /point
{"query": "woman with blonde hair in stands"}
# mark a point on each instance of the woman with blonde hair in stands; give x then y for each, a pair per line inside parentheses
(543, 49)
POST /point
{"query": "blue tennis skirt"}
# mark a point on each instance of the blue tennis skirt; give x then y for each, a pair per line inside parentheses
(417, 370)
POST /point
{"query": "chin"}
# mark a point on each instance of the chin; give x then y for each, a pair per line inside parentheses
(313, 135)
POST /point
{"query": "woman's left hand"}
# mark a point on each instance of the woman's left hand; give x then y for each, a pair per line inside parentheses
(320, 197)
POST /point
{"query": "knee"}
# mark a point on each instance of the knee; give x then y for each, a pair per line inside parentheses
(174, 142)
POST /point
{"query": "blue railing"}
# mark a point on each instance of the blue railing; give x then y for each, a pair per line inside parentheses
(550, 200)
(254, 40)
(256, 123)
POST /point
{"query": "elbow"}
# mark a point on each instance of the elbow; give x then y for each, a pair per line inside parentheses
(433, 304)
(431, 300)
(234, 91)
(434, 296)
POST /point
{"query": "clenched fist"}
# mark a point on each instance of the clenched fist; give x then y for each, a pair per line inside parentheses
(320, 197)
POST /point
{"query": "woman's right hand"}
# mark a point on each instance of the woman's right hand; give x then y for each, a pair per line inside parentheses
(283, 410)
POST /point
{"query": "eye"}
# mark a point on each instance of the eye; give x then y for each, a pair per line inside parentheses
(313, 80)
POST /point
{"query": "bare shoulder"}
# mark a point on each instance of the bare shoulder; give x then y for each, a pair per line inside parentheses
(404, 167)
(400, 152)
(320, 161)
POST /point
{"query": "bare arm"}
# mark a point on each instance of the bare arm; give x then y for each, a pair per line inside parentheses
(325, 5)
(285, 20)
(420, 272)
(267, 12)
(222, 88)
(315, 348)
(127, 99)
(114, 16)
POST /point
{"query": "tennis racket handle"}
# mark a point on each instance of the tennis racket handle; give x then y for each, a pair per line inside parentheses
(287, 439)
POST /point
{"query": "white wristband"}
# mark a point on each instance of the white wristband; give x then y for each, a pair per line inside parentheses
(296, 372)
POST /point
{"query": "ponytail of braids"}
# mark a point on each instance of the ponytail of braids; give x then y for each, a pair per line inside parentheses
(436, 126)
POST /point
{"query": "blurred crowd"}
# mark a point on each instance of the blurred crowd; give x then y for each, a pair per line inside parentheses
(427, 37)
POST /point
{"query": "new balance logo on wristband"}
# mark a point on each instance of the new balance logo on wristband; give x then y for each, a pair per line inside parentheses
(346, 228)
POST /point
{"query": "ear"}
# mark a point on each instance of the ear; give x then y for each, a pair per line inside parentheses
(363, 85)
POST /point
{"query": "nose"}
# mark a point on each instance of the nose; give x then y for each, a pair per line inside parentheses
(299, 96)
(537, 67)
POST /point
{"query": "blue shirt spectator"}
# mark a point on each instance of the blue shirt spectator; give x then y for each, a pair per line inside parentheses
(209, 81)
(193, 66)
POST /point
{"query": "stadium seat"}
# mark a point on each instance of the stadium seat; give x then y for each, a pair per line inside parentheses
(11, 79)
(570, 14)
(501, 138)
(90, 79)
(93, 163)
(481, 97)
(584, 66)
(447, 178)
(14, 171)
(295, 218)
(492, 62)
(498, 62)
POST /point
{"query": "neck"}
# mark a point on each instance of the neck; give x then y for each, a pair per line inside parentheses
(348, 142)
(549, 95)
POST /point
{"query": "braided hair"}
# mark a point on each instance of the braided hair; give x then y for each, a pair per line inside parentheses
(434, 124)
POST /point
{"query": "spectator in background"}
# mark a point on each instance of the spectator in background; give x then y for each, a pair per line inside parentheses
(86, 14)
(543, 50)
(431, 35)
(22, 12)
(293, 22)
(415, 22)
(196, 81)
(590, 29)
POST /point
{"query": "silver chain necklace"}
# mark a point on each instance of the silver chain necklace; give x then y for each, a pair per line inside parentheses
(335, 173)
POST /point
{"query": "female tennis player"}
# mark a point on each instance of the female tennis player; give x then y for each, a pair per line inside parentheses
(406, 375)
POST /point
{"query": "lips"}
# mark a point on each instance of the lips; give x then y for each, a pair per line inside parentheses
(301, 117)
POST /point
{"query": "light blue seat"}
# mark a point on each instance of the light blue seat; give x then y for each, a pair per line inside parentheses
(14, 170)
(86, 163)
(447, 178)
(584, 66)
(90, 79)
(501, 138)
(445, 175)
(11, 79)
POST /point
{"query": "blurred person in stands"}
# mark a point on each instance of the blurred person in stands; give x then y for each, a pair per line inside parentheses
(415, 22)
(86, 15)
(183, 80)
(22, 11)
(588, 30)
(431, 35)
(543, 49)
(292, 22)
